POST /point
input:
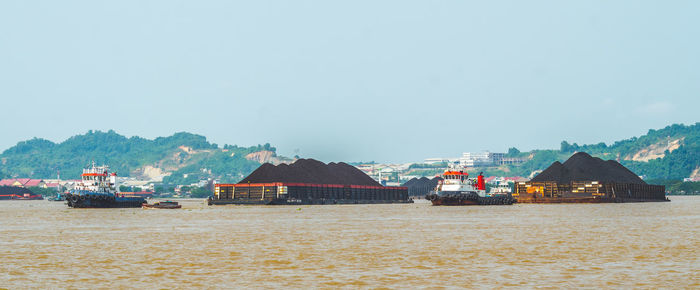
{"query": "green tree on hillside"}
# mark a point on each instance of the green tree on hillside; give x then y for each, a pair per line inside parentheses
(40, 158)
(513, 152)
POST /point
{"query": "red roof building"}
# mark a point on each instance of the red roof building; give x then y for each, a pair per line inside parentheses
(23, 182)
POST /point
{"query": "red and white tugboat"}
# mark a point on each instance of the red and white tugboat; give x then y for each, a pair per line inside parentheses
(457, 188)
(99, 189)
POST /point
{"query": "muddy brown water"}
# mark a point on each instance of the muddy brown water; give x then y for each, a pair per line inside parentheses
(47, 245)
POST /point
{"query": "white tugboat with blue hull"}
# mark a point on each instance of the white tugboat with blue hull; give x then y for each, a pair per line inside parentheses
(98, 189)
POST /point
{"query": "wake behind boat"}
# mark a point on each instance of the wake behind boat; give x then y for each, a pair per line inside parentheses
(98, 189)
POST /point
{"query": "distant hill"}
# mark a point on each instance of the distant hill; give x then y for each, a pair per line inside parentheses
(182, 158)
(669, 153)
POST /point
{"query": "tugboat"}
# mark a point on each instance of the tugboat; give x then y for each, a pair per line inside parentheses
(457, 189)
(98, 189)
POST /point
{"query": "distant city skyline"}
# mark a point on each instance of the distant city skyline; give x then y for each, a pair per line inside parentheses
(388, 81)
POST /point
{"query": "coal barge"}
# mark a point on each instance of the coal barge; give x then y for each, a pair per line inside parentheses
(307, 181)
(586, 179)
(420, 187)
(18, 193)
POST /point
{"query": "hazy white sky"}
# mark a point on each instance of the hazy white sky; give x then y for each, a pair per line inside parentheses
(351, 80)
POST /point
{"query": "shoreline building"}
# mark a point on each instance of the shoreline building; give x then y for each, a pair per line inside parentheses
(486, 158)
(23, 182)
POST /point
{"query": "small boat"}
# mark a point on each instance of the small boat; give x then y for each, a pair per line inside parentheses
(168, 204)
(59, 197)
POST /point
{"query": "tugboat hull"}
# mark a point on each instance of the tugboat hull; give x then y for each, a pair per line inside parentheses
(102, 201)
(469, 198)
(452, 201)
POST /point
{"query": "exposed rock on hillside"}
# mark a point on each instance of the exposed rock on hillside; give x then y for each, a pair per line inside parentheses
(656, 150)
(261, 156)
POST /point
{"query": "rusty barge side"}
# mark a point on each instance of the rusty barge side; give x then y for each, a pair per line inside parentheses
(587, 192)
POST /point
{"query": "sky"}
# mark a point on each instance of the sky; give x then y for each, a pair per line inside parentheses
(388, 81)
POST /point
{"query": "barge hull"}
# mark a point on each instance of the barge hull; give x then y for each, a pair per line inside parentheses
(584, 200)
(305, 193)
(302, 201)
(587, 192)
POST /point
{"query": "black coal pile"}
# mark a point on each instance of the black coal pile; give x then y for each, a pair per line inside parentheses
(310, 171)
(421, 186)
(7, 190)
(584, 167)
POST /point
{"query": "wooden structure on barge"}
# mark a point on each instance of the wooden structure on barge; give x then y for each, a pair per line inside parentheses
(587, 192)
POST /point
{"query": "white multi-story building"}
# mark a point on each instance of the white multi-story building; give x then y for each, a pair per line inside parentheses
(477, 159)
(435, 160)
(471, 159)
